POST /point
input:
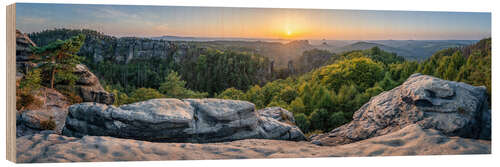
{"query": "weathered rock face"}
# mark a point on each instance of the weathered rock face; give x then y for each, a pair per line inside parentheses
(24, 54)
(126, 49)
(453, 108)
(53, 109)
(173, 120)
(90, 88)
(278, 114)
(411, 140)
(278, 123)
(99, 47)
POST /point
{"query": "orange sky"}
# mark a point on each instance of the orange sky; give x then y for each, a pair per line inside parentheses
(254, 22)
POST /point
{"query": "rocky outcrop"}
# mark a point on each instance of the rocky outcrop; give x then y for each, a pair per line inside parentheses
(278, 123)
(411, 140)
(24, 54)
(189, 120)
(99, 47)
(90, 88)
(453, 108)
(87, 85)
(49, 115)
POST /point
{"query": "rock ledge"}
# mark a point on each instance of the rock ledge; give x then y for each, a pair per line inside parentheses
(174, 120)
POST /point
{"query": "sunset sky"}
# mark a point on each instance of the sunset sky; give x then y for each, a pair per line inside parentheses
(148, 21)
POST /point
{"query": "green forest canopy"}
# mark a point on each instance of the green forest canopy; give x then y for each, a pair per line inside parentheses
(327, 97)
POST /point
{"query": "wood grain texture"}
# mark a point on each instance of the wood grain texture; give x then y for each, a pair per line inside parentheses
(11, 82)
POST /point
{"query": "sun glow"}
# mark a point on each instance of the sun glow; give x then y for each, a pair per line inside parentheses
(288, 32)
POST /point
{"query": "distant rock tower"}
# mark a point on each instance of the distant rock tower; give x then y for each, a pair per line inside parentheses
(271, 68)
(291, 69)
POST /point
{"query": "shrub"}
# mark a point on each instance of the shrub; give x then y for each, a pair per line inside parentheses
(70, 93)
(319, 119)
(31, 81)
(26, 100)
(302, 122)
(143, 94)
(337, 119)
(48, 124)
(315, 132)
(276, 102)
(231, 93)
(297, 106)
(288, 94)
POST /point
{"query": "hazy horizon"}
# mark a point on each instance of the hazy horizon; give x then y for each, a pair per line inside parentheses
(254, 23)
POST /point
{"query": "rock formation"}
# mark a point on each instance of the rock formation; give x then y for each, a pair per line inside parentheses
(87, 86)
(411, 140)
(53, 109)
(90, 88)
(24, 54)
(189, 120)
(453, 108)
(54, 104)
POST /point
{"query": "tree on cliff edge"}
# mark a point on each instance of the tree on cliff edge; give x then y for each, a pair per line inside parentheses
(58, 59)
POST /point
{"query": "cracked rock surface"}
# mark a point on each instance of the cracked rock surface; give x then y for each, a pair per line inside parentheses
(453, 108)
(174, 120)
(411, 140)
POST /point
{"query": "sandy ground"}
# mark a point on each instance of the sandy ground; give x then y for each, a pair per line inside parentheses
(411, 140)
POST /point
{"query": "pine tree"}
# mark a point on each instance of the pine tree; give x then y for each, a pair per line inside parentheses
(173, 86)
(59, 59)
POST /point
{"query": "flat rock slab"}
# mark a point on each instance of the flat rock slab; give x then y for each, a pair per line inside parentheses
(174, 120)
(411, 140)
(453, 108)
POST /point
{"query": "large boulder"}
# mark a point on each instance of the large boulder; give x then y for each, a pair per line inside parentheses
(174, 120)
(278, 123)
(49, 115)
(453, 108)
(89, 87)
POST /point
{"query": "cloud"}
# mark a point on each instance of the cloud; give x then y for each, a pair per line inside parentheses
(160, 28)
(111, 13)
(32, 20)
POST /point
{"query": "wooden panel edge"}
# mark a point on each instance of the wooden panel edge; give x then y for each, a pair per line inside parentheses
(11, 82)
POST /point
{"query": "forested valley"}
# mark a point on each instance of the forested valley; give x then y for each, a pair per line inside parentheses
(322, 90)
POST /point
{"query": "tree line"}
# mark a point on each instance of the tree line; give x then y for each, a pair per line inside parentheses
(327, 97)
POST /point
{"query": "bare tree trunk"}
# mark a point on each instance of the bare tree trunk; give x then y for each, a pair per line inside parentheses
(52, 78)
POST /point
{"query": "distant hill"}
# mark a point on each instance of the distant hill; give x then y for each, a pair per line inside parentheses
(209, 39)
(368, 45)
(409, 49)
